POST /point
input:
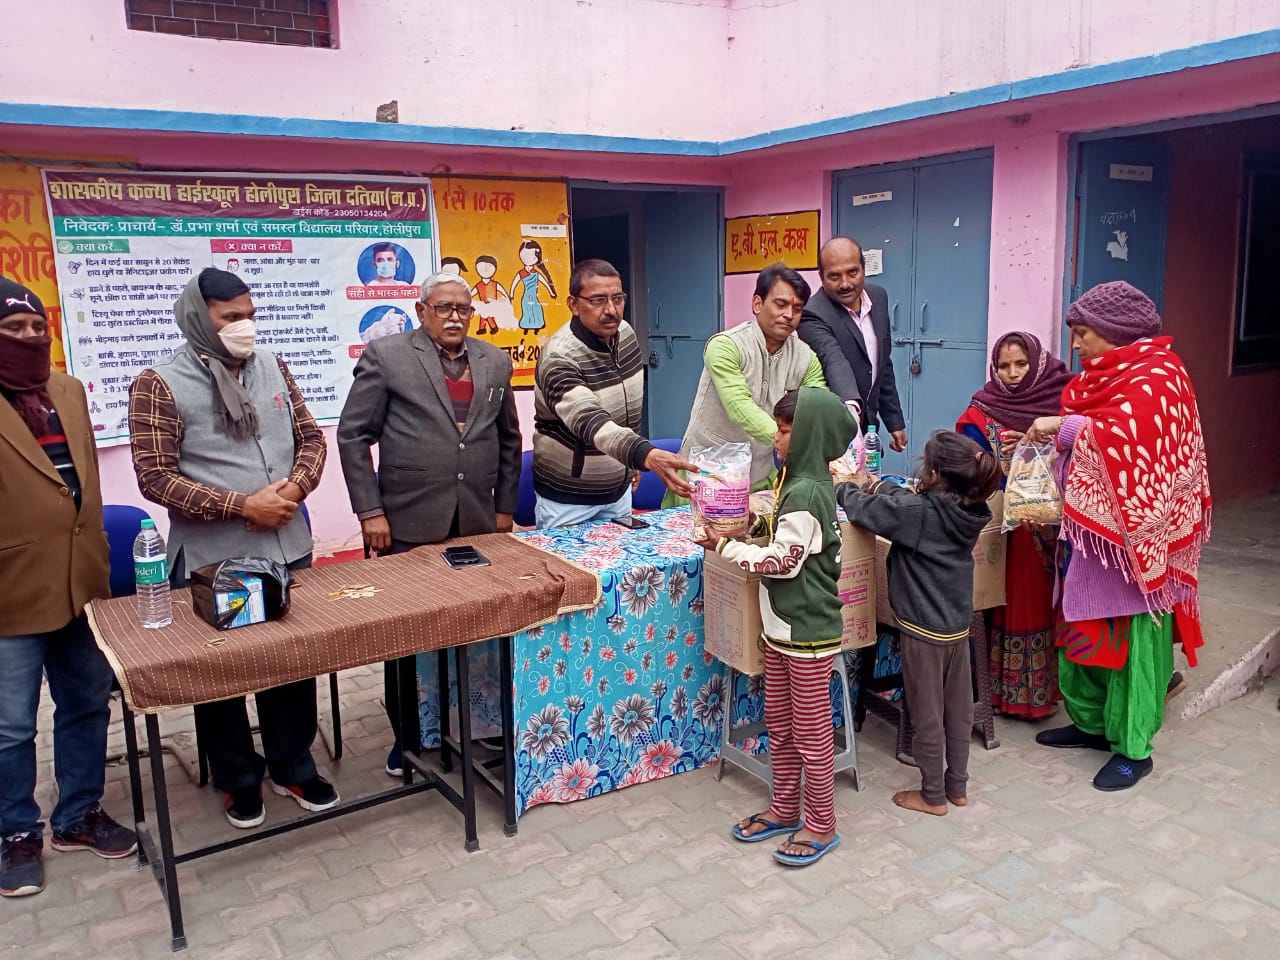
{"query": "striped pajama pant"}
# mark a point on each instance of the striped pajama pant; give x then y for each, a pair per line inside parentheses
(797, 711)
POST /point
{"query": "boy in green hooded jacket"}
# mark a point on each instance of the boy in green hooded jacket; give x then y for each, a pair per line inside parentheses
(800, 611)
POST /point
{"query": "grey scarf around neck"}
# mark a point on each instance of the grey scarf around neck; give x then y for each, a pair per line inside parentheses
(231, 403)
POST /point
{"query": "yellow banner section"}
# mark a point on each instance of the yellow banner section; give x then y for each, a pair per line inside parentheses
(26, 245)
(752, 243)
(509, 240)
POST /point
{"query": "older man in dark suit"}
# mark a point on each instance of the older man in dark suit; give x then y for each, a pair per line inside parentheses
(847, 325)
(440, 408)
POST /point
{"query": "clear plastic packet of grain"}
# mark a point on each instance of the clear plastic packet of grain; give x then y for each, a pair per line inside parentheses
(721, 490)
(1031, 491)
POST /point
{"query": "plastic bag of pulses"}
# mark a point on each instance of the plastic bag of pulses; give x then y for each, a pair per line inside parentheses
(1031, 491)
(721, 491)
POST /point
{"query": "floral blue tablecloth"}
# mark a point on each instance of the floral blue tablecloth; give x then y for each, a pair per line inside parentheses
(622, 693)
(619, 694)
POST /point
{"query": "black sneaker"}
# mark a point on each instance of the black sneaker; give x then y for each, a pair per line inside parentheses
(1121, 773)
(97, 833)
(1071, 736)
(395, 761)
(245, 809)
(21, 870)
(315, 795)
(1177, 683)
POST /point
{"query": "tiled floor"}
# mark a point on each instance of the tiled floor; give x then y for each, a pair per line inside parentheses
(1039, 865)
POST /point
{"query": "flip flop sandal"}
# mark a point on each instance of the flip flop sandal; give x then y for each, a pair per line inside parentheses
(803, 860)
(770, 830)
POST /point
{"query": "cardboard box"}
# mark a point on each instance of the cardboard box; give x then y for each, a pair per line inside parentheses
(989, 555)
(731, 603)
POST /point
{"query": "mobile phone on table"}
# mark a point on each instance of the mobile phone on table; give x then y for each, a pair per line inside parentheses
(631, 523)
(457, 557)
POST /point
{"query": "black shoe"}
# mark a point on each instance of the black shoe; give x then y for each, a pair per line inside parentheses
(1121, 773)
(1177, 683)
(1071, 736)
(245, 809)
(21, 869)
(315, 795)
(395, 761)
(98, 833)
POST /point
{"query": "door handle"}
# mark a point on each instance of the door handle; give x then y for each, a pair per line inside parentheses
(903, 341)
(930, 343)
(657, 317)
(893, 316)
(924, 316)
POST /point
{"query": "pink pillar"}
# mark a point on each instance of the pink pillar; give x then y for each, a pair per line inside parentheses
(1028, 224)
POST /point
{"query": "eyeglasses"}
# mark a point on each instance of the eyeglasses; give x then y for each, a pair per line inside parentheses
(619, 300)
(445, 310)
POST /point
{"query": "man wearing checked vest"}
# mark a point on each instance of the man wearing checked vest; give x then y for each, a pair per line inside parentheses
(221, 437)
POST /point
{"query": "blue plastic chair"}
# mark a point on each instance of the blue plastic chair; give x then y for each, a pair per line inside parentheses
(648, 496)
(122, 523)
(524, 514)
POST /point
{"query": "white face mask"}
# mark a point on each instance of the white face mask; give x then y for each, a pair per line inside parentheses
(238, 338)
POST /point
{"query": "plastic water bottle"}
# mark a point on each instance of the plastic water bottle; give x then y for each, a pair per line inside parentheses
(151, 575)
(871, 443)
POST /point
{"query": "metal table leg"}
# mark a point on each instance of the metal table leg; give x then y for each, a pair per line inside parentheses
(465, 748)
(169, 872)
(442, 701)
(507, 679)
(135, 771)
(410, 732)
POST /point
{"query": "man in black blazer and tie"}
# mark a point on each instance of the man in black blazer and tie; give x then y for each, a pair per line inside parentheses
(847, 325)
(439, 405)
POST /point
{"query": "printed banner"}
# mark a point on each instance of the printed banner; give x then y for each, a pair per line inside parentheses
(26, 247)
(509, 239)
(752, 243)
(331, 263)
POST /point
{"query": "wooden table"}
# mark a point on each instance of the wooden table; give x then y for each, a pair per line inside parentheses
(341, 616)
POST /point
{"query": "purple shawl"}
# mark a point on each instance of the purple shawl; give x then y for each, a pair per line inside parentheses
(1038, 395)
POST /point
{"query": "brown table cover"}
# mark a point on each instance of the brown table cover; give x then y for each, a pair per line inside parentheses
(421, 605)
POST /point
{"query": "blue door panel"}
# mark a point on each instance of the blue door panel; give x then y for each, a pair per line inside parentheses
(933, 235)
(953, 250)
(684, 267)
(884, 226)
(1123, 191)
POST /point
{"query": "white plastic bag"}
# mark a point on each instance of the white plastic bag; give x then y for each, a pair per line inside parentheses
(1031, 492)
(721, 492)
(854, 460)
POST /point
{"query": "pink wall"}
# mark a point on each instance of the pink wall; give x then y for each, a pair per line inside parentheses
(685, 69)
(1199, 304)
(809, 60)
(1027, 251)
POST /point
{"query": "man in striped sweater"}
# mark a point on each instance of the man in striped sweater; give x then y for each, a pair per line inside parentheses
(588, 398)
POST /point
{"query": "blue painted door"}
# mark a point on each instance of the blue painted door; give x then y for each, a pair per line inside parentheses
(684, 267)
(927, 229)
(1122, 193)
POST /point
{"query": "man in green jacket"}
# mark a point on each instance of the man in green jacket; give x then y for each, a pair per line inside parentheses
(747, 369)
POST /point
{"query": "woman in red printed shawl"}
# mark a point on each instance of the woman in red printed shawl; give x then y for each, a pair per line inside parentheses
(1136, 503)
(1026, 383)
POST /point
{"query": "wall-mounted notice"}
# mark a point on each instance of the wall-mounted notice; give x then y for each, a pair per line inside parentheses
(874, 260)
(509, 240)
(331, 263)
(881, 196)
(1131, 171)
(752, 243)
(26, 249)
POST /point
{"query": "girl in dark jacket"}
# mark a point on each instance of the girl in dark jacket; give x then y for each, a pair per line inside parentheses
(931, 588)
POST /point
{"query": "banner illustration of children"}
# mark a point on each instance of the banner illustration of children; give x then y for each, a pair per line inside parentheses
(527, 282)
(492, 302)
